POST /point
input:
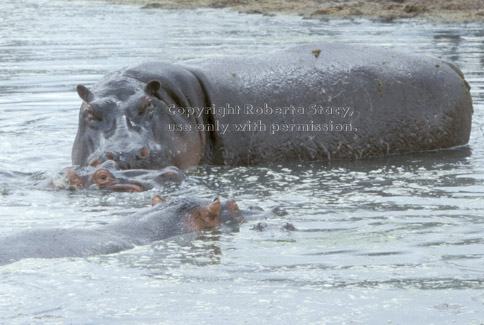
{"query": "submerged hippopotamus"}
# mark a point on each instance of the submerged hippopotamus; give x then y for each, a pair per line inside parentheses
(163, 220)
(108, 176)
(309, 102)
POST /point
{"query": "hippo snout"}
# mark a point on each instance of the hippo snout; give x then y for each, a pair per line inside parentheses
(108, 176)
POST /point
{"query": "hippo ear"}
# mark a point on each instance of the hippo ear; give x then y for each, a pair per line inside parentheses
(152, 88)
(156, 200)
(85, 94)
(215, 207)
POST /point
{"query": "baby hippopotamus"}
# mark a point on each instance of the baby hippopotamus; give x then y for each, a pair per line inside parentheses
(163, 220)
(109, 177)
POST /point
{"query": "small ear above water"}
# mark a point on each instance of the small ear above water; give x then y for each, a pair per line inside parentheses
(156, 200)
(85, 94)
(152, 87)
(215, 207)
(73, 178)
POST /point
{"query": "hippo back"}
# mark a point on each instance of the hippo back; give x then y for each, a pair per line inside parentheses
(355, 102)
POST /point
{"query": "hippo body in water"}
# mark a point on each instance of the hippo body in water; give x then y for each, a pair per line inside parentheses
(164, 220)
(306, 103)
(108, 176)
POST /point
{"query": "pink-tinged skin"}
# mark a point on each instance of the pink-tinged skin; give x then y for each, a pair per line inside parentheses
(108, 176)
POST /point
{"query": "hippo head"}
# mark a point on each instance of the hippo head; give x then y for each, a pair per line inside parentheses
(201, 215)
(108, 176)
(133, 125)
(204, 216)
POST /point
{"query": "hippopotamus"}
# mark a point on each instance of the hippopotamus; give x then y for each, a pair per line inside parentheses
(108, 176)
(163, 220)
(306, 103)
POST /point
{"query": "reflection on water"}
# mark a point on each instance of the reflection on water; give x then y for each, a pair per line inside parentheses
(389, 239)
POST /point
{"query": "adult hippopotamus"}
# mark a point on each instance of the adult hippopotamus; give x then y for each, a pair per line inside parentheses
(163, 220)
(309, 102)
(108, 176)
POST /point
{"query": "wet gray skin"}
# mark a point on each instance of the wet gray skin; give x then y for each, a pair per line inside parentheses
(163, 220)
(311, 102)
(108, 176)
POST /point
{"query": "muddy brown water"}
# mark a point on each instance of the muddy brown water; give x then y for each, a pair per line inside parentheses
(391, 240)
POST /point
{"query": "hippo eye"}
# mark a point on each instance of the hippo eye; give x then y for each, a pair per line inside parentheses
(102, 177)
(147, 110)
(146, 106)
(91, 114)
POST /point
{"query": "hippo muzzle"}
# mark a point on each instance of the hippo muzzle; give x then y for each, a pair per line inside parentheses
(108, 176)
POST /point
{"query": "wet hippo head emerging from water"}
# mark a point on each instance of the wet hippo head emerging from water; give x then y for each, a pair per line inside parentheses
(108, 176)
(163, 220)
(198, 216)
(310, 102)
(127, 120)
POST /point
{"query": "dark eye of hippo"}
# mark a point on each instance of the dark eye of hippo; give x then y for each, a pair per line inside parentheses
(102, 177)
(91, 114)
(140, 108)
(146, 106)
(97, 110)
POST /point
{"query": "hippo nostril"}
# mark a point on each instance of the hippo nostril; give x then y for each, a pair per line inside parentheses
(144, 152)
(95, 162)
(109, 155)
